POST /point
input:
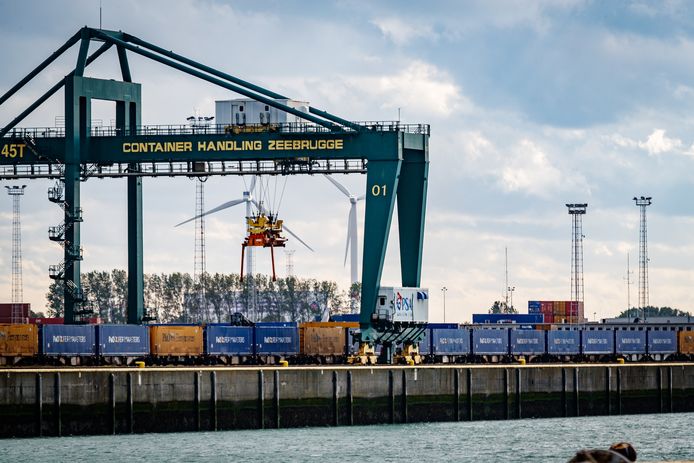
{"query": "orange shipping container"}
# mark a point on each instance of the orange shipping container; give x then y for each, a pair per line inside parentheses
(687, 342)
(315, 340)
(177, 340)
(19, 340)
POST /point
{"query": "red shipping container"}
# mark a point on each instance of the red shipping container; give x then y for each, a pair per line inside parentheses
(11, 320)
(7, 308)
(549, 318)
(47, 321)
(572, 308)
(547, 307)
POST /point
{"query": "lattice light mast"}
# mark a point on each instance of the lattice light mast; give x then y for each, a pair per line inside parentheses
(289, 254)
(17, 285)
(643, 202)
(576, 211)
(200, 264)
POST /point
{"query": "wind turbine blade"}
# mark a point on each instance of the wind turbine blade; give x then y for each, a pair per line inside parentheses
(212, 211)
(361, 197)
(338, 185)
(252, 187)
(297, 238)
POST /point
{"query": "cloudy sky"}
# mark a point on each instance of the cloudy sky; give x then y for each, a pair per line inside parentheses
(532, 105)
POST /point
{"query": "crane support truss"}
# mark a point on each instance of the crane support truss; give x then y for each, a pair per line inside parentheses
(393, 156)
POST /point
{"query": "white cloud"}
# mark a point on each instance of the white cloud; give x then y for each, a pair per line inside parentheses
(530, 171)
(422, 90)
(401, 32)
(658, 143)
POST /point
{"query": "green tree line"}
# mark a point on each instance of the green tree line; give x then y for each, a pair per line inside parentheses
(176, 298)
(651, 311)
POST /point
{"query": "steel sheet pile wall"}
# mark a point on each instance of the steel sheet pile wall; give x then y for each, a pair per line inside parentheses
(120, 400)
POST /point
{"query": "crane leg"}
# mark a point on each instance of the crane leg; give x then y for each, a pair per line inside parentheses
(243, 252)
(272, 256)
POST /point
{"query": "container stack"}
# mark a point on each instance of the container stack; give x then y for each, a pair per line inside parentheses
(558, 311)
(21, 312)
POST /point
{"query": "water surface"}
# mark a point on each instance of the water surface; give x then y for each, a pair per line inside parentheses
(656, 437)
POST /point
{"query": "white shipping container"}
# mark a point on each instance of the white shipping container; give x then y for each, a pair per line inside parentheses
(403, 304)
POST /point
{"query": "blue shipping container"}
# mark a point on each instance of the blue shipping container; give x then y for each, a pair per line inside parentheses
(425, 343)
(597, 342)
(563, 342)
(630, 342)
(448, 341)
(507, 318)
(662, 342)
(122, 339)
(527, 342)
(68, 340)
(228, 340)
(489, 341)
(276, 340)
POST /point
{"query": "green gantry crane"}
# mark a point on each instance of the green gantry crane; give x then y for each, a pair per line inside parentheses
(394, 157)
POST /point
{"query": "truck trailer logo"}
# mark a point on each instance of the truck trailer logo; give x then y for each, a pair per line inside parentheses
(69, 339)
(403, 304)
(124, 339)
(230, 339)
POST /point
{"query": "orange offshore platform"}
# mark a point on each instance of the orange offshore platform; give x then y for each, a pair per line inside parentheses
(263, 231)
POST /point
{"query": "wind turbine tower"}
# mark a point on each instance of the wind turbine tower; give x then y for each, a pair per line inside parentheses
(643, 202)
(17, 285)
(352, 246)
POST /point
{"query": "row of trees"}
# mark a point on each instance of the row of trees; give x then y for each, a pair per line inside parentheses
(651, 311)
(176, 298)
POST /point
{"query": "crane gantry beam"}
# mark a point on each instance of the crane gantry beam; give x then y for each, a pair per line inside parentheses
(394, 157)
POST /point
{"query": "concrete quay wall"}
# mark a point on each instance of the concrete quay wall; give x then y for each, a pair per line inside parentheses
(35, 402)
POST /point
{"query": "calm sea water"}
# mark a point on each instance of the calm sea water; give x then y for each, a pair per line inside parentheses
(656, 437)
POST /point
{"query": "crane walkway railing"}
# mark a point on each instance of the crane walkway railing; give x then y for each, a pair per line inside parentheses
(218, 129)
(190, 169)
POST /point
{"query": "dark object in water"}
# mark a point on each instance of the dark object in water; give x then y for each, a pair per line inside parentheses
(618, 453)
(625, 449)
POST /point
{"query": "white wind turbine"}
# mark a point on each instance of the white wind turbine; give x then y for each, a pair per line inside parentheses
(352, 232)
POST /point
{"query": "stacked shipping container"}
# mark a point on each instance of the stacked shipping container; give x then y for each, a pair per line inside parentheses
(558, 311)
(20, 312)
